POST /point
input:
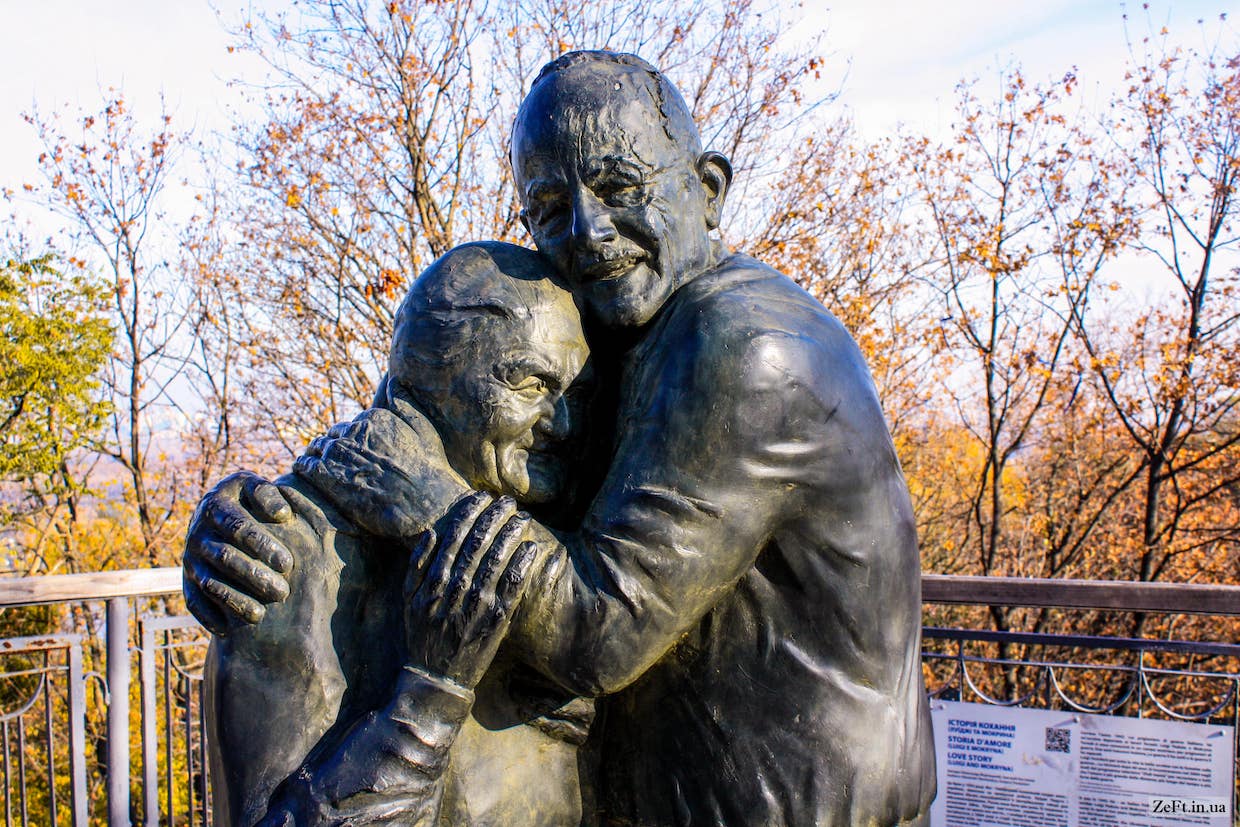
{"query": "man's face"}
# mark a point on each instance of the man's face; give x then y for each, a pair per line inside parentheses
(518, 400)
(617, 206)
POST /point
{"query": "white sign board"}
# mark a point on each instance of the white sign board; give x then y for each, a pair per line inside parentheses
(1037, 768)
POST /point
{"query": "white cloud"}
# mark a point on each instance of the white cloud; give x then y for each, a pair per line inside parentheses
(71, 52)
(907, 57)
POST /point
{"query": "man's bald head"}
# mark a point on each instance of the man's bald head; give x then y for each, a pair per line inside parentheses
(606, 82)
(614, 186)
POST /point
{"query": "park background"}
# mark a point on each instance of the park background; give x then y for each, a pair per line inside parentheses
(1026, 218)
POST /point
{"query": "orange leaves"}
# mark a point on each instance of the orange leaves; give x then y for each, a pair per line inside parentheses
(1026, 211)
(386, 286)
(980, 274)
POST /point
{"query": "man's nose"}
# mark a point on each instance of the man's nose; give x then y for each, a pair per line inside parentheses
(592, 224)
(554, 424)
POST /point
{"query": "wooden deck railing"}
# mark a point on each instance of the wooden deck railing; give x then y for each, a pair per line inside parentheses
(1116, 595)
(96, 585)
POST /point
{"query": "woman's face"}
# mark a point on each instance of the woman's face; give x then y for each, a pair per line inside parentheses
(515, 424)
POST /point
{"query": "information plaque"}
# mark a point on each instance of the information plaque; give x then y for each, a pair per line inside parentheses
(1038, 768)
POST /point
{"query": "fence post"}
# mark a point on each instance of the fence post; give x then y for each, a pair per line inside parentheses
(77, 736)
(150, 762)
(118, 712)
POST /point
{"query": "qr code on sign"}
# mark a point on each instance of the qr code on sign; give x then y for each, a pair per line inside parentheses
(1058, 740)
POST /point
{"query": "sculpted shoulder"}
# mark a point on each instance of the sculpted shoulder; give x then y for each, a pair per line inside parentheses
(754, 329)
(752, 349)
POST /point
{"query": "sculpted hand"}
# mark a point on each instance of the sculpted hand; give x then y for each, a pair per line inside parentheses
(232, 565)
(461, 592)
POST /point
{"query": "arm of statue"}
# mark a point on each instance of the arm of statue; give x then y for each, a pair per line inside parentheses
(699, 485)
(383, 470)
(389, 767)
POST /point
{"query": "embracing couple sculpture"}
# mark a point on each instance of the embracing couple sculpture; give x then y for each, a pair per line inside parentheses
(717, 546)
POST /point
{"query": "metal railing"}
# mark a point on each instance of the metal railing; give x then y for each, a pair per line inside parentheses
(46, 686)
(173, 722)
(86, 728)
(1132, 684)
(66, 726)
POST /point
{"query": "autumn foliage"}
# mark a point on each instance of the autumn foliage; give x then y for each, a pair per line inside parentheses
(1046, 294)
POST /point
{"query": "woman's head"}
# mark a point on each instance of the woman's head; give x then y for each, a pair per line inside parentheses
(487, 344)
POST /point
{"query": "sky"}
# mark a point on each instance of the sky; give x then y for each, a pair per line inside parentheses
(893, 61)
(899, 60)
(907, 56)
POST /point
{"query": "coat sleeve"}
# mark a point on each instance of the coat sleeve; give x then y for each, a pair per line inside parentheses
(389, 768)
(707, 466)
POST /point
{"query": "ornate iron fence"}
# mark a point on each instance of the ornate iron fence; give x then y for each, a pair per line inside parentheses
(1131, 685)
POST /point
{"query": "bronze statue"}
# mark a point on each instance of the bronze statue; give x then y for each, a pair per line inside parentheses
(742, 593)
(350, 693)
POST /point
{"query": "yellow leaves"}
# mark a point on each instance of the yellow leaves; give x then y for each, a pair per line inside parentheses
(386, 285)
(292, 197)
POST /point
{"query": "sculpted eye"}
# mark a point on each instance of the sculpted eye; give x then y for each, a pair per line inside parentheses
(518, 379)
(622, 193)
(550, 218)
(547, 212)
(531, 385)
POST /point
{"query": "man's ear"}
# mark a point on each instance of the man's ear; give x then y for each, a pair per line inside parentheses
(715, 171)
